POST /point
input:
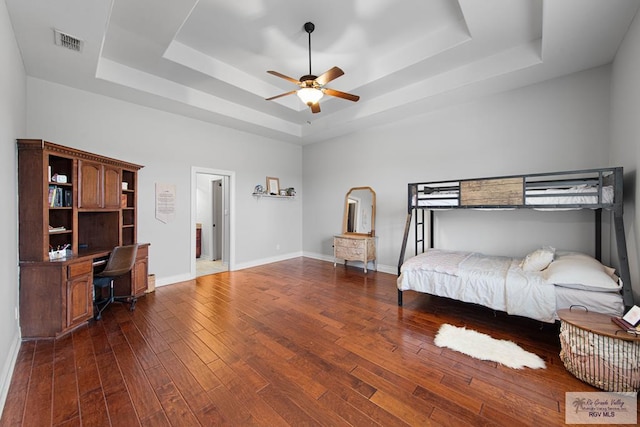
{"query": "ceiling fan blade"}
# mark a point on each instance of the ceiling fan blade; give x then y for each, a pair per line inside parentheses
(282, 76)
(329, 75)
(315, 108)
(339, 94)
(281, 95)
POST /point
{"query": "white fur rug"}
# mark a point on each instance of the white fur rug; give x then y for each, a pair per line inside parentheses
(483, 347)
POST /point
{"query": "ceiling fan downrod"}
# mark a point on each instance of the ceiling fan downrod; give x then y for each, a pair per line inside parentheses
(309, 27)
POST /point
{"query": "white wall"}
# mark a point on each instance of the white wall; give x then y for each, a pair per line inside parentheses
(562, 124)
(625, 138)
(12, 126)
(169, 146)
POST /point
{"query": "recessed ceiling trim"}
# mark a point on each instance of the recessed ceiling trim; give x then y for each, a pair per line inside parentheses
(122, 75)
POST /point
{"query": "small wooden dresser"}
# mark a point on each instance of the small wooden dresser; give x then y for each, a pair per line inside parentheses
(354, 248)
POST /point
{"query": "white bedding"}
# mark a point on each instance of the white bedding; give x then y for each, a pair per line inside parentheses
(498, 283)
(549, 196)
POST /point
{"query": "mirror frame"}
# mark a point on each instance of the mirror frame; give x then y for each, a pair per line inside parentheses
(372, 233)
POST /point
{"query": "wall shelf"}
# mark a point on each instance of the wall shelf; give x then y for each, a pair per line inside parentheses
(272, 196)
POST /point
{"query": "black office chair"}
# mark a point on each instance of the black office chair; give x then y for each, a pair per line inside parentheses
(120, 262)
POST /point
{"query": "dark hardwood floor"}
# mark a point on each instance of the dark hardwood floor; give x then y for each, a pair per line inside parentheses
(291, 343)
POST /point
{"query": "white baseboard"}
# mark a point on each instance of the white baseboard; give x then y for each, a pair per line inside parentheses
(380, 267)
(7, 369)
(258, 262)
(263, 261)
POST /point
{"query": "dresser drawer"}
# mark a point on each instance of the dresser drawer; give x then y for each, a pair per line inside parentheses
(354, 248)
(348, 243)
(79, 269)
(349, 253)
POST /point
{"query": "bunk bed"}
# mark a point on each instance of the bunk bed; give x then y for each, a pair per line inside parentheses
(539, 284)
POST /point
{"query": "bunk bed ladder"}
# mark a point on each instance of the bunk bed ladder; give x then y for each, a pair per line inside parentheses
(627, 294)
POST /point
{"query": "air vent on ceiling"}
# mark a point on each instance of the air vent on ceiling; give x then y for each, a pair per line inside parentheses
(68, 41)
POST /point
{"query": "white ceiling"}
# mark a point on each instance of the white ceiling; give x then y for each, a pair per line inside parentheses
(208, 59)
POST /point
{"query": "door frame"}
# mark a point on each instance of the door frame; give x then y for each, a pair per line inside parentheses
(195, 170)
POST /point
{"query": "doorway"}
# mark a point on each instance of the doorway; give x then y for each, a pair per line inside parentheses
(212, 213)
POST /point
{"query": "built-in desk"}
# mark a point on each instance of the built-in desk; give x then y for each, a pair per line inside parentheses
(56, 296)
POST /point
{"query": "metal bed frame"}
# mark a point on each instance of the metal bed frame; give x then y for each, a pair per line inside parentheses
(511, 192)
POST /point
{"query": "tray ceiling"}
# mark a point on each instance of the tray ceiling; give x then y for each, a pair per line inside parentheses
(208, 59)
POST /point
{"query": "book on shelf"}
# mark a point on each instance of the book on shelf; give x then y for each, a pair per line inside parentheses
(52, 195)
(56, 196)
(68, 198)
(53, 229)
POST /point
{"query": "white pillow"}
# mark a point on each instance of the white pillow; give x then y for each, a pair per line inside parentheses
(538, 260)
(580, 271)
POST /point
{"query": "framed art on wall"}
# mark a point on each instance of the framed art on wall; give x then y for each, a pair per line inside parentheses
(273, 185)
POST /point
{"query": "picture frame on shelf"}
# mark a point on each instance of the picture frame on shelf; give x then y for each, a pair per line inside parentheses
(273, 185)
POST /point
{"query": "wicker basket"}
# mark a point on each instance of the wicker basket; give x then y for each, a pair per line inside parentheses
(607, 363)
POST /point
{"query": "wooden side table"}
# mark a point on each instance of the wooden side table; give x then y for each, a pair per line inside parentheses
(354, 248)
(598, 352)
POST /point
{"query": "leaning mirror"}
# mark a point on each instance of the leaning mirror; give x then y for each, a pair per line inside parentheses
(360, 212)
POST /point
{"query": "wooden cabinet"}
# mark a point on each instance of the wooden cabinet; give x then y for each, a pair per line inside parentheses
(98, 185)
(55, 297)
(354, 248)
(128, 206)
(140, 271)
(41, 201)
(69, 198)
(135, 283)
(85, 212)
(79, 293)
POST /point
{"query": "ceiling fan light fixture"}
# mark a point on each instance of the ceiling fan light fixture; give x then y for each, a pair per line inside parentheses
(309, 95)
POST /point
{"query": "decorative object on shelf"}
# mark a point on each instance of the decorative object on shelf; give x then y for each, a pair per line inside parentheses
(258, 189)
(273, 186)
(283, 192)
(62, 179)
(291, 191)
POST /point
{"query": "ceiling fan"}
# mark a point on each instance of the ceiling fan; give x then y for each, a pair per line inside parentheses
(312, 87)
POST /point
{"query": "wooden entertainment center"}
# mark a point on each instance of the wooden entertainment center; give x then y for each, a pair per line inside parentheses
(74, 208)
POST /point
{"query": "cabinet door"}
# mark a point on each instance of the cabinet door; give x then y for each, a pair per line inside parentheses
(79, 299)
(139, 277)
(111, 187)
(90, 185)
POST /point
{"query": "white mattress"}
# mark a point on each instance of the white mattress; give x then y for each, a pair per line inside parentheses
(553, 197)
(498, 283)
(600, 302)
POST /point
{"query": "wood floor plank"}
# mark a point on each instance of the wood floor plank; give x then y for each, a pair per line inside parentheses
(38, 408)
(142, 351)
(195, 365)
(93, 408)
(185, 382)
(176, 409)
(245, 393)
(138, 386)
(13, 412)
(296, 342)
